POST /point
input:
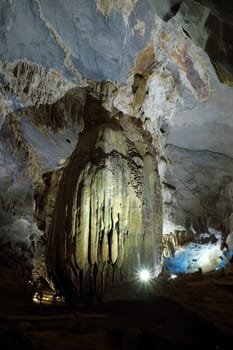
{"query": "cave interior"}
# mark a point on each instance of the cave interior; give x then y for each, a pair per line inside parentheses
(116, 174)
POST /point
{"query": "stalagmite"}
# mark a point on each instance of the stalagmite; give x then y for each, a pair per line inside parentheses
(110, 195)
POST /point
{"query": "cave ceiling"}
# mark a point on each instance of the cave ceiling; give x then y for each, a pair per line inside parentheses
(128, 103)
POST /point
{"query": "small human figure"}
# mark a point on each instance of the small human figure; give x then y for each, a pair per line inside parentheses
(166, 267)
(228, 254)
(39, 289)
(226, 251)
(221, 263)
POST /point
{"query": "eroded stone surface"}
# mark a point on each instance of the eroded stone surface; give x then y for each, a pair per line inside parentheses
(108, 221)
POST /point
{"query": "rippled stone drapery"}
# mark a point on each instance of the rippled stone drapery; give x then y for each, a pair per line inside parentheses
(108, 216)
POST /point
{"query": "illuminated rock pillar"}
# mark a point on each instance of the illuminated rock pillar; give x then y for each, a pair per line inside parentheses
(107, 222)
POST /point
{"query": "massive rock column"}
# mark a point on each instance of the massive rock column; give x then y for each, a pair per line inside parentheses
(107, 221)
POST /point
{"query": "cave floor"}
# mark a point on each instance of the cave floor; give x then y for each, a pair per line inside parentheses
(190, 311)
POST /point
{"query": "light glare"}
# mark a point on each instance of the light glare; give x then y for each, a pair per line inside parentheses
(144, 275)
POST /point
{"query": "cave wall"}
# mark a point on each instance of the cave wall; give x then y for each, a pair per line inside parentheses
(162, 75)
(32, 159)
(18, 233)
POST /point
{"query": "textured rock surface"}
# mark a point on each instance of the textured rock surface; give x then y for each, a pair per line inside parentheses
(108, 217)
(109, 109)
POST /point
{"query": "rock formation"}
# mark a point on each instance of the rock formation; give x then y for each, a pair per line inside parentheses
(107, 220)
(115, 130)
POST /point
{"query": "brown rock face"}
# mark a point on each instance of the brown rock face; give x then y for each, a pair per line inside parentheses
(107, 222)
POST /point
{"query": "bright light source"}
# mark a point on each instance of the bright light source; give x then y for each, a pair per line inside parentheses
(173, 276)
(144, 275)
